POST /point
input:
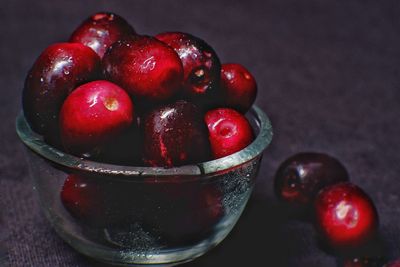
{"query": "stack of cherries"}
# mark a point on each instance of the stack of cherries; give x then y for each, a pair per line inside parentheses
(114, 96)
(316, 185)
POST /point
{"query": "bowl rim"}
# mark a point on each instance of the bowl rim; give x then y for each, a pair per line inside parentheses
(36, 144)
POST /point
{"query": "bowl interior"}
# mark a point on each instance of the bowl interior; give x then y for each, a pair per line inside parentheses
(256, 116)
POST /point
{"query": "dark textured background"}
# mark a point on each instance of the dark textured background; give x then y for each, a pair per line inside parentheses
(328, 76)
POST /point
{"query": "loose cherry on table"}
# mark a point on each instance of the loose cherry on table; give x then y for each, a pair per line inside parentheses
(175, 135)
(101, 30)
(229, 131)
(145, 67)
(92, 115)
(57, 71)
(201, 67)
(300, 177)
(345, 216)
(238, 86)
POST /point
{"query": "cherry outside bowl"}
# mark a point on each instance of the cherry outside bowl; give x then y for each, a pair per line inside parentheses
(150, 221)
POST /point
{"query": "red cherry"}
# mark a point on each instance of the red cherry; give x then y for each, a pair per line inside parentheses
(238, 87)
(194, 214)
(175, 135)
(201, 67)
(229, 131)
(57, 71)
(147, 68)
(300, 177)
(183, 211)
(124, 150)
(84, 199)
(101, 30)
(98, 201)
(94, 114)
(345, 216)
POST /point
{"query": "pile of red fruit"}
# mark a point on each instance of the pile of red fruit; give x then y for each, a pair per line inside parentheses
(166, 99)
(317, 185)
(112, 95)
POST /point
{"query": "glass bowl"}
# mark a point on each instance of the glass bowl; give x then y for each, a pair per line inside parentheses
(131, 216)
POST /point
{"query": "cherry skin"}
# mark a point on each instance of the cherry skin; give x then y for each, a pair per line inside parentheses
(345, 216)
(193, 214)
(101, 30)
(175, 135)
(92, 115)
(57, 72)
(238, 87)
(124, 150)
(201, 67)
(229, 131)
(98, 201)
(183, 211)
(83, 198)
(300, 177)
(145, 67)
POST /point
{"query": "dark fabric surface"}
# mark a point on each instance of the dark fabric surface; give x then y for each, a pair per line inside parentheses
(328, 76)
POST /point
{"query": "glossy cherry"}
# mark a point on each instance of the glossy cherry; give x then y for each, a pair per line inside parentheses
(92, 115)
(345, 216)
(201, 67)
(56, 72)
(238, 87)
(229, 131)
(101, 30)
(300, 177)
(174, 135)
(145, 67)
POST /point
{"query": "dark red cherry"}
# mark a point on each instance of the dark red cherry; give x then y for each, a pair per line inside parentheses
(300, 177)
(94, 114)
(193, 215)
(145, 67)
(238, 87)
(124, 150)
(101, 30)
(84, 199)
(229, 131)
(175, 135)
(183, 211)
(201, 67)
(57, 71)
(101, 201)
(345, 216)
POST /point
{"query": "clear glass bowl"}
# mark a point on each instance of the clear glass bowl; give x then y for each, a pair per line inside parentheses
(146, 215)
